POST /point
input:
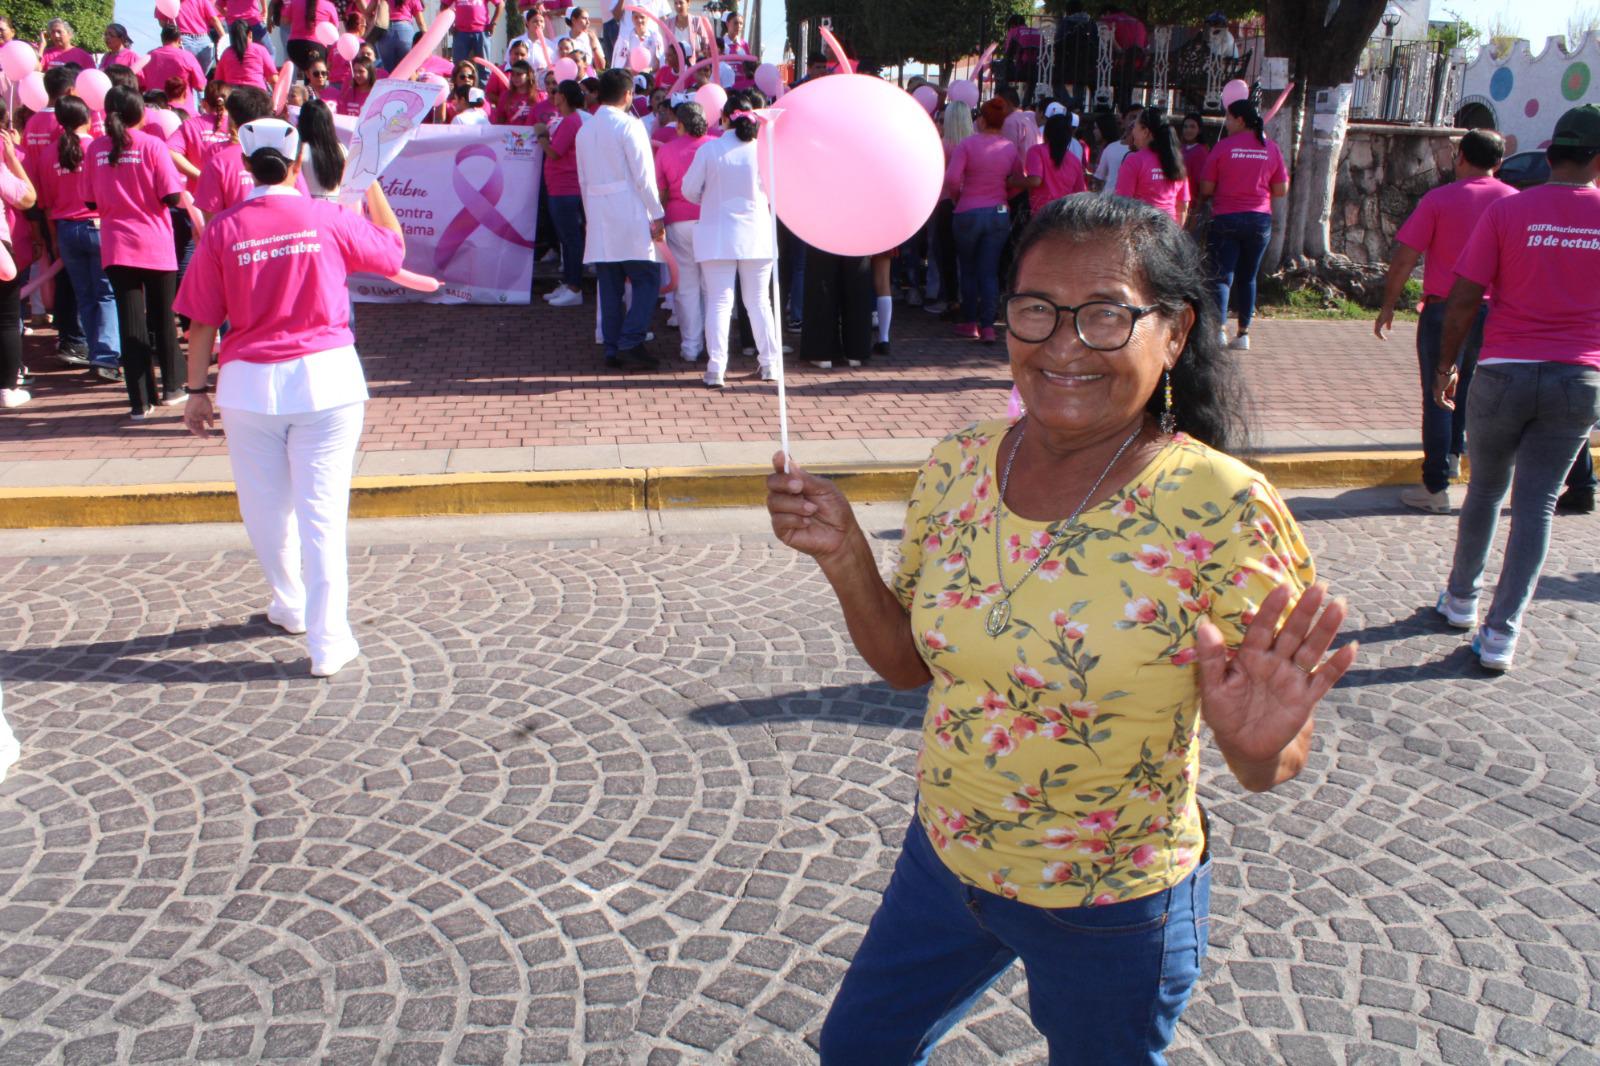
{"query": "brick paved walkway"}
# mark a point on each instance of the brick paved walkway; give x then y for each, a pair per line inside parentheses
(633, 802)
(479, 377)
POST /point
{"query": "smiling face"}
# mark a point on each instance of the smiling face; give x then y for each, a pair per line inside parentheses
(1072, 390)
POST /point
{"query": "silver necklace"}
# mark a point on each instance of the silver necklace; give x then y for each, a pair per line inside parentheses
(1000, 613)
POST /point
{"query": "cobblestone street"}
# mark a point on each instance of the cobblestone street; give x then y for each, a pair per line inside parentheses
(634, 800)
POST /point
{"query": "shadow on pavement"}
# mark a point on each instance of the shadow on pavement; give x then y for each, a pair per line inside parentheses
(130, 661)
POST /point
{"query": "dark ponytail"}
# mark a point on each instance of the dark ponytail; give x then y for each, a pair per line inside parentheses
(73, 114)
(1164, 142)
(1058, 136)
(267, 167)
(308, 14)
(124, 111)
(1246, 112)
(744, 126)
(239, 38)
(318, 135)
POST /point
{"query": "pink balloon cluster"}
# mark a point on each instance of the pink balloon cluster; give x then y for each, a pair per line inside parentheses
(18, 60)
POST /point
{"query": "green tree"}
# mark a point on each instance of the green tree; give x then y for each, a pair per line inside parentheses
(1454, 34)
(88, 19)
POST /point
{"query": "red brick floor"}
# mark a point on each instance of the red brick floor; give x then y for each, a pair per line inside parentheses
(476, 377)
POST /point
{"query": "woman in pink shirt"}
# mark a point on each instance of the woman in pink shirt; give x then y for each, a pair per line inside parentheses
(289, 384)
(119, 48)
(1051, 169)
(1242, 175)
(253, 13)
(517, 104)
(1154, 172)
(562, 192)
(673, 160)
(244, 62)
(17, 192)
(354, 95)
(984, 170)
(130, 178)
(1195, 152)
(301, 18)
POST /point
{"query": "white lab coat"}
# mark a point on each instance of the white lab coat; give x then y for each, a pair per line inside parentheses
(735, 219)
(628, 40)
(617, 176)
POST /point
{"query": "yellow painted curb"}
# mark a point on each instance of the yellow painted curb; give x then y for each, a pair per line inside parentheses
(746, 486)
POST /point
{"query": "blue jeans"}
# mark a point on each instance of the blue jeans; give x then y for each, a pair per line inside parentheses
(464, 44)
(623, 333)
(980, 239)
(79, 243)
(200, 46)
(1444, 432)
(566, 213)
(396, 43)
(1237, 242)
(1105, 984)
(1528, 422)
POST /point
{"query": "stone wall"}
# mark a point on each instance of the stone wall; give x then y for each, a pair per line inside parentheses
(1383, 172)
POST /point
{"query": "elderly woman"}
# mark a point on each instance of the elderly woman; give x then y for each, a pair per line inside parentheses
(1083, 588)
(59, 49)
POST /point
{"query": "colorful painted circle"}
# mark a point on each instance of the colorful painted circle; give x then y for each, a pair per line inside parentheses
(1575, 82)
(1531, 109)
(1500, 84)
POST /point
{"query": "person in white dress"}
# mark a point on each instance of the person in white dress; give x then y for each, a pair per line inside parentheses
(733, 238)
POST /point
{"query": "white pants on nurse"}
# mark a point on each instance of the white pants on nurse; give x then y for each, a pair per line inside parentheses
(293, 476)
(690, 311)
(755, 286)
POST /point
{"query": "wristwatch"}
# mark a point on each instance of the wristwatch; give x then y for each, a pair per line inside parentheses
(202, 390)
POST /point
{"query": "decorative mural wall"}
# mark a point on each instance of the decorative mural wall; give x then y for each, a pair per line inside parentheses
(1525, 93)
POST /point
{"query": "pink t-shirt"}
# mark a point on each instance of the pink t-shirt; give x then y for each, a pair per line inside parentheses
(1244, 170)
(349, 101)
(518, 111)
(194, 16)
(294, 17)
(127, 57)
(290, 299)
(1539, 252)
(39, 136)
(135, 226)
(663, 134)
(167, 62)
(242, 10)
(224, 181)
(61, 192)
(1441, 224)
(561, 157)
(254, 69)
(979, 167)
(472, 16)
(1141, 177)
(672, 163)
(55, 57)
(404, 11)
(1058, 181)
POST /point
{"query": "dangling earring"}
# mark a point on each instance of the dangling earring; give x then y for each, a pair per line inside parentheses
(1168, 421)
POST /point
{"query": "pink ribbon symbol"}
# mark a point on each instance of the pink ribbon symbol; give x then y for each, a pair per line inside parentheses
(478, 208)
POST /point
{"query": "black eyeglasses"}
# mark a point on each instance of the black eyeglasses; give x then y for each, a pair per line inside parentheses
(1103, 325)
(316, 74)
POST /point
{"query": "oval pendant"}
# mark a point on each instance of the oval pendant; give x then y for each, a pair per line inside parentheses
(999, 616)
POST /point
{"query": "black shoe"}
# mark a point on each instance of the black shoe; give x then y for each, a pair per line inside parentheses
(637, 358)
(613, 363)
(73, 355)
(881, 348)
(1575, 501)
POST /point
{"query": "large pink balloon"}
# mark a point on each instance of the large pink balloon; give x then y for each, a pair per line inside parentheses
(963, 92)
(18, 60)
(565, 69)
(1234, 90)
(32, 93)
(640, 59)
(326, 34)
(168, 9)
(347, 46)
(768, 80)
(859, 164)
(927, 96)
(164, 120)
(91, 87)
(711, 97)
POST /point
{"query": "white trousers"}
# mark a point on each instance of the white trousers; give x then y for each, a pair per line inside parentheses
(293, 477)
(690, 311)
(755, 283)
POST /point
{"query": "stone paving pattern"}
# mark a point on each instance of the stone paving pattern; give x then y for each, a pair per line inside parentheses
(516, 377)
(634, 801)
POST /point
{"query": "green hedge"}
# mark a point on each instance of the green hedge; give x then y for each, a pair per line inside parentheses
(88, 19)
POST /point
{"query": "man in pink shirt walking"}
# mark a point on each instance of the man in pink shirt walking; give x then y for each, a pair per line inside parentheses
(1436, 232)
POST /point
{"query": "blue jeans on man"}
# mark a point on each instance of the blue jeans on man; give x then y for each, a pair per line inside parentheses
(625, 332)
(201, 47)
(79, 244)
(1444, 433)
(465, 44)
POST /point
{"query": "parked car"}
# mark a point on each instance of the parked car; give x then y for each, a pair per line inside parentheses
(1525, 170)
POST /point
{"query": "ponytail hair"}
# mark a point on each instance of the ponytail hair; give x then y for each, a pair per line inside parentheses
(320, 140)
(1164, 142)
(1058, 137)
(124, 111)
(1246, 112)
(239, 38)
(743, 125)
(73, 114)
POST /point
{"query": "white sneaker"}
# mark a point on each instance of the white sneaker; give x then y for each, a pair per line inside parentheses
(1418, 498)
(335, 662)
(768, 374)
(714, 381)
(175, 399)
(14, 397)
(287, 623)
(1222, 336)
(1462, 614)
(934, 307)
(553, 293)
(567, 298)
(1452, 466)
(821, 364)
(672, 321)
(1494, 650)
(1240, 343)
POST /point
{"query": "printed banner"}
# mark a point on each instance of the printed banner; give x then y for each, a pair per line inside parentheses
(388, 121)
(468, 198)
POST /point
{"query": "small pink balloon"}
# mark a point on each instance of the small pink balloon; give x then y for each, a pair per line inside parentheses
(18, 60)
(927, 96)
(164, 120)
(91, 87)
(640, 59)
(565, 69)
(347, 46)
(32, 93)
(963, 92)
(768, 80)
(168, 9)
(711, 97)
(859, 166)
(326, 34)
(1234, 90)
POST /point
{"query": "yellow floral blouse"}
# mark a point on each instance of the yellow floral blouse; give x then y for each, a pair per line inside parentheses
(1059, 758)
